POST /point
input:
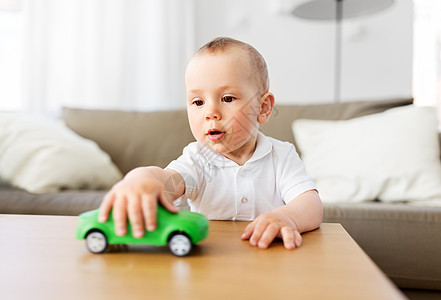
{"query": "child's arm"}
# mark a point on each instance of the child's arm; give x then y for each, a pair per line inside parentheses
(303, 213)
(136, 197)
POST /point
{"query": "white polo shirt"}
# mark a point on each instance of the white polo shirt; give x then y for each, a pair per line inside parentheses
(220, 189)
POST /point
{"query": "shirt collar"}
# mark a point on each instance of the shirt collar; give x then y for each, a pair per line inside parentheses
(263, 147)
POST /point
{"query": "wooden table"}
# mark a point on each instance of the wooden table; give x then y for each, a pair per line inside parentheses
(40, 259)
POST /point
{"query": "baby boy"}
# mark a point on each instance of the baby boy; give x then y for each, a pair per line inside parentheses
(232, 171)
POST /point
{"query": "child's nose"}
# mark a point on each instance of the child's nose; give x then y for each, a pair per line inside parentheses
(212, 113)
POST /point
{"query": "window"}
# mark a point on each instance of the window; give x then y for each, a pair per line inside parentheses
(10, 59)
(94, 54)
(427, 54)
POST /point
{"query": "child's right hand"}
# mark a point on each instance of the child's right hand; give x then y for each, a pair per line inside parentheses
(136, 197)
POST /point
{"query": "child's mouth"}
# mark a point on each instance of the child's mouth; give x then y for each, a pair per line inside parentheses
(215, 135)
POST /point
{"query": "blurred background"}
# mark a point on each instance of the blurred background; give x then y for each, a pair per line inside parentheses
(132, 54)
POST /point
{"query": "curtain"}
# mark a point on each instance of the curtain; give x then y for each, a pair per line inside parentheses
(106, 54)
(427, 54)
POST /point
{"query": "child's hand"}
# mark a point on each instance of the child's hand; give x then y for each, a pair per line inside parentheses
(265, 228)
(136, 198)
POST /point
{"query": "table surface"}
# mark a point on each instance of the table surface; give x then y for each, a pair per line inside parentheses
(40, 259)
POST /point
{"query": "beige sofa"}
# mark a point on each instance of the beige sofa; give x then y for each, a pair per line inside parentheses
(404, 240)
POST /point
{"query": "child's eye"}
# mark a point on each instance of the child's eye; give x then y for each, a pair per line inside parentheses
(198, 102)
(228, 99)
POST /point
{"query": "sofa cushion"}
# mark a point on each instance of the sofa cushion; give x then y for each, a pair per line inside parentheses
(44, 156)
(65, 202)
(133, 139)
(279, 125)
(390, 156)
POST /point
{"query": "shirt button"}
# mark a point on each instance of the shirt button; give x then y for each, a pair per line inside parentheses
(244, 200)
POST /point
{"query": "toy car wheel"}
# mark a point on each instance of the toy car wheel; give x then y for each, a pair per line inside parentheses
(96, 242)
(180, 244)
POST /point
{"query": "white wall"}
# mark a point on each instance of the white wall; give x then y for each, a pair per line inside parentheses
(376, 49)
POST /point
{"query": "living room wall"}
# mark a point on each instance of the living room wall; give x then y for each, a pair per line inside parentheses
(132, 54)
(376, 49)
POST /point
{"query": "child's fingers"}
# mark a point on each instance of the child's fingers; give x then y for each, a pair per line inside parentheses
(120, 216)
(268, 235)
(297, 238)
(105, 207)
(136, 216)
(258, 231)
(149, 207)
(288, 237)
(248, 231)
(168, 206)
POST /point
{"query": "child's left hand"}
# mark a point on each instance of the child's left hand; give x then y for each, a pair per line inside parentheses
(265, 228)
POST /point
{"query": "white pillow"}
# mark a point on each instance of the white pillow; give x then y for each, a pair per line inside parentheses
(42, 156)
(390, 156)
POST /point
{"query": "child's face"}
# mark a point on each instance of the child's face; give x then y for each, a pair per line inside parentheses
(224, 103)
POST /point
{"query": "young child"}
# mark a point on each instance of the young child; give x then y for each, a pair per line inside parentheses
(232, 172)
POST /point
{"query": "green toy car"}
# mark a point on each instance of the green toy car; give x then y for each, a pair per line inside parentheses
(177, 230)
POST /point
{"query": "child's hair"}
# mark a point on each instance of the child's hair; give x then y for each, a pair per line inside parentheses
(257, 61)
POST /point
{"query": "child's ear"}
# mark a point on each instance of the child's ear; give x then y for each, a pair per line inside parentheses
(266, 107)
